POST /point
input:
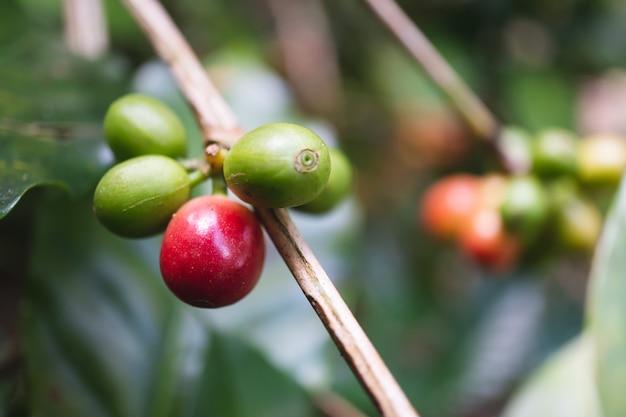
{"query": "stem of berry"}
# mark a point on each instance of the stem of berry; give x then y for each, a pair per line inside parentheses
(197, 177)
(218, 184)
(215, 116)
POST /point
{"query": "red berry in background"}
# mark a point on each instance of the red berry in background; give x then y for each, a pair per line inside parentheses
(212, 252)
(485, 240)
(448, 203)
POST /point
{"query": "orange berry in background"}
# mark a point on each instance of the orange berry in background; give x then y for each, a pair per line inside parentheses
(485, 241)
(448, 203)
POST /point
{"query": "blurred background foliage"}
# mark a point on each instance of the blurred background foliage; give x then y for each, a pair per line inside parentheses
(86, 325)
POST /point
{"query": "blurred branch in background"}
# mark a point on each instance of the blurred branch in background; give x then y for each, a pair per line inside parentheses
(308, 54)
(481, 121)
(86, 32)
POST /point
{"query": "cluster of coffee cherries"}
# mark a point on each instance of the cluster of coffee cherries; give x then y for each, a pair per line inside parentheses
(213, 248)
(554, 204)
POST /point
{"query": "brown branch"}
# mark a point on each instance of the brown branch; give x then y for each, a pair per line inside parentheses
(481, 121)
(346, 332)
(213, 114)
(308, 54)
(85, 28)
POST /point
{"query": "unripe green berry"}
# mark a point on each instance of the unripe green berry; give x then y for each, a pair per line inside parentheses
(137, 198)
(526, 207)
(337, 188)
(601, 159)
(578, 224)
(137, 124)
(278, 165)
(554, 152)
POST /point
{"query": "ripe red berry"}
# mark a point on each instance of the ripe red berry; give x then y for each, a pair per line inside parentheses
(485, 241)
(212, 252)
(448, 203)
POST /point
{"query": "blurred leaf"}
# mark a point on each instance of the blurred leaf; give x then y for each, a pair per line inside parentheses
(43, 11)
(399, 78)
(100, 331)
(563, 386)
(240, 382)
(607, 310)
(30, 161)
(51, 107)
(539, 99)
(52, 85)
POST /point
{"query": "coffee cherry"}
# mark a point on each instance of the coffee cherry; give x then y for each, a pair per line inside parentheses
(448, 203)
(485, 241)
(278, 165)
(526, 207)
(140, 125)
(337, 188)
(212, 252)
(601, 159)
(137, 197)
(578, 224)
(554, 153)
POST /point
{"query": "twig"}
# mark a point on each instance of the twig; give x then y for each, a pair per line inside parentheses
(85, 29)
(213, 113)
(481, 121)
(346, 332)
(308, 54)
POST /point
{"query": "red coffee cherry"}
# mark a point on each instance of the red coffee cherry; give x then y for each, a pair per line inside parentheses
(485, 241)
(447, 205)
(212, 252)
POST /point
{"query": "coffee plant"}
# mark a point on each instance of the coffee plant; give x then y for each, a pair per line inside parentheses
(453, 212)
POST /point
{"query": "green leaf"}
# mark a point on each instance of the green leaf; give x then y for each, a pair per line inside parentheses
(101, 333)
(607, 309)
(538, 99)
(51, 107)
(30, 161)
(563, 386)
(240, 382)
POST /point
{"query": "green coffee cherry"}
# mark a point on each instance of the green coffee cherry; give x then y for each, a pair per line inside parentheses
(526, 207)
(140, 125)
(554, 153)
(601, 159)
(338, 187)
(578, 224)
(137, 198)
(277, 165)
